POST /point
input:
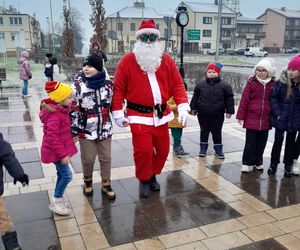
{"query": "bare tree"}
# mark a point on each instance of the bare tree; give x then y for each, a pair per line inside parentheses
(68, 34)
(36, 41)
(97, 20)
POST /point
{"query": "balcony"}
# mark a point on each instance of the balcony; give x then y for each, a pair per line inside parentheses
(246, 34)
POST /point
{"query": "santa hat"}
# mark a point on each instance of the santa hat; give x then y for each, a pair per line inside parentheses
(24, 54)
(268, 64)
(58, 91)
(147, 26)
(295, 63)
(215, 66)
(95, 61)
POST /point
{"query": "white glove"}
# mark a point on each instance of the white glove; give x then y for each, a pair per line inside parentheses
(122, 122)
(182, 117)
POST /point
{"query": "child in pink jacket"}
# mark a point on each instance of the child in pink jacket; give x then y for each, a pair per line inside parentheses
(58, 146)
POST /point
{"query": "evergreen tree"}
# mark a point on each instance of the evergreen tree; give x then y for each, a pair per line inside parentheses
(97, 20)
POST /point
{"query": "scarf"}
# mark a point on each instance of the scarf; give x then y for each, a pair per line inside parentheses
(264, 81)
(97, 81)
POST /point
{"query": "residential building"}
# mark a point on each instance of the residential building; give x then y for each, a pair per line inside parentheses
(282, 29)
(250, 32)
(122, 25)
(15, 31)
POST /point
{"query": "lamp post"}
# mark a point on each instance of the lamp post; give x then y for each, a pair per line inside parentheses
(182, 20)
(218, 30)
(52, 29)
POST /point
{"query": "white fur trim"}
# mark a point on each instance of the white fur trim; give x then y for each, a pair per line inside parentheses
(118, 114)
(183, 106)
(151, 120)
(154, 87)
(147, 31)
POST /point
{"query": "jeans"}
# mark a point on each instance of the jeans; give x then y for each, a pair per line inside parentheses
(25, 87)
(64, 177)
(176, 134)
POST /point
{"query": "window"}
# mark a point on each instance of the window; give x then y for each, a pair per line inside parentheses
(157, 26)
(120, 26)
(13, 36)
(226, 20)
(225, 33)
(132, 27)
(206, 33)
(2, 36)
(206, 45)
(1, 20)
(15, 20)
(207, 20)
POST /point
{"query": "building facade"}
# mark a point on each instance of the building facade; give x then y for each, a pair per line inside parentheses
(282, 29)
(16, 31)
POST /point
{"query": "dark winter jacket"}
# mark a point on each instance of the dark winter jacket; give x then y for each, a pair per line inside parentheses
(213, 97)
(9, 161)
(255, 107)
(285, 111)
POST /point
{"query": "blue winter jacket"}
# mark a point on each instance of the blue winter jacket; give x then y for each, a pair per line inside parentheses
(285, 111)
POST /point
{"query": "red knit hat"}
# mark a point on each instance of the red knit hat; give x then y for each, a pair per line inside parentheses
(147, 26)
(215, 66)
(58, 91)
(295, 63)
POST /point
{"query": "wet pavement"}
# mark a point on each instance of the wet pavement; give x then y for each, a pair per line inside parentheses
(204, 203)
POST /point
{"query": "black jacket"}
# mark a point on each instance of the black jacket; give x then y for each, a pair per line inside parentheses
(9, 161)
(212, 97)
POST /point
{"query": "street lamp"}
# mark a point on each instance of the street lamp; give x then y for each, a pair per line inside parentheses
(182, 20)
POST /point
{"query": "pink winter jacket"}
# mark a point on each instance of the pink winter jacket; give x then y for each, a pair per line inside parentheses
(24, 69)
(57, 140)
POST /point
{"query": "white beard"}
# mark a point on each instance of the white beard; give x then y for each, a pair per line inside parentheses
(148, 56)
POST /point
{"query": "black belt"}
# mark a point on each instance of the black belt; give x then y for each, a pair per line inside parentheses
(157, 108)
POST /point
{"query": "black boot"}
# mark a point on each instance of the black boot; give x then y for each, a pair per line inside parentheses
(88, 186)
(10, 241)
(144, 189)
(272, 169)
(203, 149)
(154, 185)
(219, 151)
(288, 171)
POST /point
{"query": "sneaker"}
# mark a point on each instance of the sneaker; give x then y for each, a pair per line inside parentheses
(58, 206)
(260, 167)
(245, 169)
(296, 170)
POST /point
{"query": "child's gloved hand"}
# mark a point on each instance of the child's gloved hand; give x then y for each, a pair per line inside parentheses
(24, 180)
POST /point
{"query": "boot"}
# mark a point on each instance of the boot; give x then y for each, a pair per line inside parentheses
(219, 151)
(107, 190)
(144, 189)
(272, 169)
(153, 184)
(203, 149)
(88, 186)
(10, 241)
(288, 171)
(179, 152)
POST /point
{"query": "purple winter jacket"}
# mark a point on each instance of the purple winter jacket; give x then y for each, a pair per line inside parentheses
(24, 69)
(255, 107)
(57, 139)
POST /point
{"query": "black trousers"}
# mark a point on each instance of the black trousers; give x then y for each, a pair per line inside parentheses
(290, 151)
(211, 124)
(254, 147)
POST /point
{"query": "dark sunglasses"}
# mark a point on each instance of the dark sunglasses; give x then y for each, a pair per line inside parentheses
(144, 38)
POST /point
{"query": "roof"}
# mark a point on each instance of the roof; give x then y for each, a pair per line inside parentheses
(147, 12)
(249, 20)
(207, 8)
(285, 12)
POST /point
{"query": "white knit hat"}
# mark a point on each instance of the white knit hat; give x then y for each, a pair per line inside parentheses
(267, 63)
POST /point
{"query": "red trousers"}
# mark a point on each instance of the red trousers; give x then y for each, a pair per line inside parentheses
(150, 149)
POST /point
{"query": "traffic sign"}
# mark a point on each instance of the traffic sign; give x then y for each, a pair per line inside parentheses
(193, 34)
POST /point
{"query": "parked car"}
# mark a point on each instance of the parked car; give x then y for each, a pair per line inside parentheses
(292, 50)
(239, 51)
(255, 51)
(213, 51)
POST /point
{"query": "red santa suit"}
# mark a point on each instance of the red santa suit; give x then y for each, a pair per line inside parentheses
(150, 135)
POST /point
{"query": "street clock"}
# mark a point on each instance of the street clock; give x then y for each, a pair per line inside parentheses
(182, 18)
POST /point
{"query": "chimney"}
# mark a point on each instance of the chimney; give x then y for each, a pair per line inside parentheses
(283, 8)
(139, 5)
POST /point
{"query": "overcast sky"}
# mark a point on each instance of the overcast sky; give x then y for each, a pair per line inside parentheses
(249, 8)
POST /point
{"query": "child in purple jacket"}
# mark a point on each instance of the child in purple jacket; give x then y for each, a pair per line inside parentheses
(58, 145)
(254, 113)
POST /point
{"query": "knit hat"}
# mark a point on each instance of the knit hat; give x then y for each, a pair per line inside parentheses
(58, 91)
(215, 66)
(95, 61)
(268, 64)
(147, 26)
(49, 54)
(24, 54)
(295, 63)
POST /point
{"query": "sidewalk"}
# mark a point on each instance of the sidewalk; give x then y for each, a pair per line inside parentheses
(204, 203)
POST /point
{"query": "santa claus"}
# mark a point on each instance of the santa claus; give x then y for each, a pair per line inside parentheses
(146, 78)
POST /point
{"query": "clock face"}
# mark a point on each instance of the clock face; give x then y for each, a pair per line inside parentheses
(182, 18)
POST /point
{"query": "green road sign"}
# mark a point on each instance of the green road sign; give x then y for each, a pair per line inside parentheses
(193, 34)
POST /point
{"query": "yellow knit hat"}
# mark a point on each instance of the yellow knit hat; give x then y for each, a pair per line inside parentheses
(58, 91)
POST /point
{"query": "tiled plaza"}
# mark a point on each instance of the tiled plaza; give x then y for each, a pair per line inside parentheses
(204, 203)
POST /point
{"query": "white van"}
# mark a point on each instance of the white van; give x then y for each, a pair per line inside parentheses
(255, 51)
